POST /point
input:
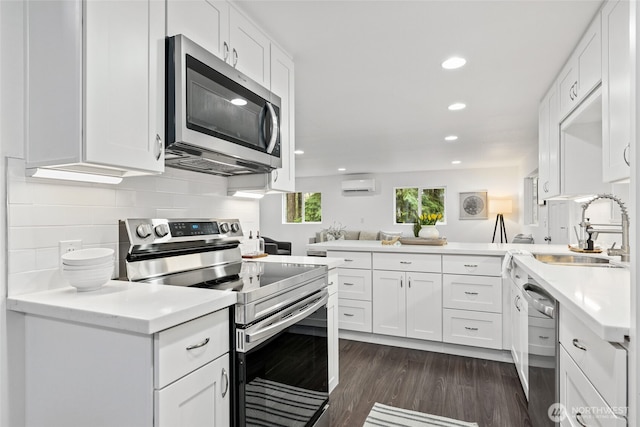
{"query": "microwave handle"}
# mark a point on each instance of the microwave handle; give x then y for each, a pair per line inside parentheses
(274, 128)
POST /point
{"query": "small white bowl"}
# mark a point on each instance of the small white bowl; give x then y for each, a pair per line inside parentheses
(88, 280)
(85, 257)
(87, 267)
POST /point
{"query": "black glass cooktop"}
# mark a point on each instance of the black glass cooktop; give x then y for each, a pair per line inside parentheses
(245, 277)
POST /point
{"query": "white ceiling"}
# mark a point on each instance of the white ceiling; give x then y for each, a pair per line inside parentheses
(371, 95)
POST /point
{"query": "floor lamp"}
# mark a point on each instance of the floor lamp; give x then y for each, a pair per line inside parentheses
(500, 207)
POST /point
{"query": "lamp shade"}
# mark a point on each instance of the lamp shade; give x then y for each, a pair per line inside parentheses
(500, 206)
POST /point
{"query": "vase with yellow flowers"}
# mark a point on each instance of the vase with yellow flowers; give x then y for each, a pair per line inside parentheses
(426, 225)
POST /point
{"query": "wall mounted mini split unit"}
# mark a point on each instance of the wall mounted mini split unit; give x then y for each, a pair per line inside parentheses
(354, 186)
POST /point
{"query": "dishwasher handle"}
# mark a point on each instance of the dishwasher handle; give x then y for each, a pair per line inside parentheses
(549, 310)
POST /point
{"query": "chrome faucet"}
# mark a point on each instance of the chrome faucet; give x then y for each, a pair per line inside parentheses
(624, 252)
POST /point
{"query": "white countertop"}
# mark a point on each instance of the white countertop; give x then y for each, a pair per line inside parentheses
(450, 248)
(330, 262)
(127, 306)
(599, 296)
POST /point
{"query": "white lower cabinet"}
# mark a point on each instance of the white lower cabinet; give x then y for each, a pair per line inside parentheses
(583, 404)
(332, 334)
(84, 375)
(520, 335)
(407, 304)
(202, 398)
(354, 290)
(473, 328)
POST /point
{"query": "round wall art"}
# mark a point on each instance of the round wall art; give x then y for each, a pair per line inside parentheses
(473, 205)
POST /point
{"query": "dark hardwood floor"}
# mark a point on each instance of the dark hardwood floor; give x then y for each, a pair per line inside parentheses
(481, 391)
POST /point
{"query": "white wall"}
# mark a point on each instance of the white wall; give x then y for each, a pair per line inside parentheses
(374, 212)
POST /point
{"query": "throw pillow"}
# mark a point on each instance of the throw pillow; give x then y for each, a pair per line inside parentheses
(368, 235)
(351, 235)
(389, 235)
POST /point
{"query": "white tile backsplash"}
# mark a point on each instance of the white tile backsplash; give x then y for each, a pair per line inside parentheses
(43, 212)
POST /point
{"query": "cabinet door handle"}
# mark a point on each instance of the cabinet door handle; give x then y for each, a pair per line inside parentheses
(275, 175)
(470, 329)
(226, 382)
(580, 420)
(348, 315)
(225, 51)
(235, 57)
(198, 345)
(517, 276)
(516, 301)
(545, 186)
(625, 154)
(405, 262)
(470, 293)
(575, 90)
(409, 282)
(158, 146)
(400, 282)
(579, 346)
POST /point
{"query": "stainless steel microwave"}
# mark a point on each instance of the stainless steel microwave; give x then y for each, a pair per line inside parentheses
(218, 120)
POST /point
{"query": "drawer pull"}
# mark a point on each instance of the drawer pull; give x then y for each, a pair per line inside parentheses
(580, 420)
(517, 276)
(348, 284)
(405, 262)
(226, 382)
(542, 337)
(471, 265)
(349, 314)
(579, 346)
(348, 260)
(470, 293)
(470, 329)
(330, 283)
(200, 344)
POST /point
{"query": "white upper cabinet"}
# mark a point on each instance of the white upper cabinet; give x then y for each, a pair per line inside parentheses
(249, 48)
(95, 79)
(203, 21)
(582, 73)
(548, 146)
(616, 91)
(282, 84)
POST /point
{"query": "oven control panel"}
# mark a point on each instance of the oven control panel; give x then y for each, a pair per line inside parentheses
(147, 231)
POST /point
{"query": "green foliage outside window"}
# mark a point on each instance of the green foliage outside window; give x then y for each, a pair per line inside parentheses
(303, 208)
(414, 201)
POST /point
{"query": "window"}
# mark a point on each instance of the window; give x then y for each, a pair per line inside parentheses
(301, 208)
(412, 201)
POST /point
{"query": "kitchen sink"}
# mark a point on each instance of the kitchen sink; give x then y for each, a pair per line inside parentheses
(577, 260)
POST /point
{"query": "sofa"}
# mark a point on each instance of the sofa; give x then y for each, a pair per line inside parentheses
(323, 236)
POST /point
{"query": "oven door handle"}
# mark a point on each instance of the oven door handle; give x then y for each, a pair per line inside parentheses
(288, 320)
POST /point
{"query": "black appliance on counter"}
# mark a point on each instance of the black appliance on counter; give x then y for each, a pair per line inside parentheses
(279, 332)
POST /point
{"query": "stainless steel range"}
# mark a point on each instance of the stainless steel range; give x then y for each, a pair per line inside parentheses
(280, 374)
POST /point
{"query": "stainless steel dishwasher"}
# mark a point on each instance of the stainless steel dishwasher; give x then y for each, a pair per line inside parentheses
(543, 348)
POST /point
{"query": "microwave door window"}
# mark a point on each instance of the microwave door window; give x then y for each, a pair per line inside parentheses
(213, 109)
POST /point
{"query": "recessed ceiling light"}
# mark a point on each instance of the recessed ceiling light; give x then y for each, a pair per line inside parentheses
(456, 162)
(239, 101)
(453, 63)
(450, 138)
(342, 169)
(457, 106)
(298, 152)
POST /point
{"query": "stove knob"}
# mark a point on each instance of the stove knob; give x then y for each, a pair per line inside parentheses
(224, 227)
(235, 227)
(161, 230)
(144, 230)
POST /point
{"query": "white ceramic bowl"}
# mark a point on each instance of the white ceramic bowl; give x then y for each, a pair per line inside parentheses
(87, 267)
(88, 280)
(91, 256)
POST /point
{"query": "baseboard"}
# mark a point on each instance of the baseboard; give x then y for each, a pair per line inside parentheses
(437, 347)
